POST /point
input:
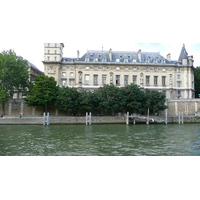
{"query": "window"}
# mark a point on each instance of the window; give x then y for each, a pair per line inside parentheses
(117, 79)
(163, 69)
(125, 79)
(71, 74)
(87, 59)
(71, 67)
(147, 80)
(64, 67)
(55, 52)
(48, 44)
(134, 79)
(155, 69)
(48, 51)
(87, 79)
(178, 76)
(95, 67)
(104, 67)
(103, 79)
(63, 74)
(95, 79)
(117, 68)
(48, 58)
(64, 83)
(55, 58)
(163, 80)
(87, 67)
(155, 80)
(147, 69)
(71, 82)
(178, 70)
(96, 59)
(178, 83)
(134, 68)
(104, 59)
(134, 60)
(55, 45)
(117, 59)
(126, 68)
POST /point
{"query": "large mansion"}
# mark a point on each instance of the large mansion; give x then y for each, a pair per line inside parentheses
(149, 70)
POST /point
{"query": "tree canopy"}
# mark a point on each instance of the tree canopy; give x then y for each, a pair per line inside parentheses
(14, 76)
(43, 92)
(111, 99)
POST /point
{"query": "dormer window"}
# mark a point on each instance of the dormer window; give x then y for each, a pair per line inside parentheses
(87, 59)
(104, 59)
(134, 60)
(96, 59)
(117, 60)
(126, 60)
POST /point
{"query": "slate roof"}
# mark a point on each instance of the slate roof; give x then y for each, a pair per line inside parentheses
(125, 57)
(183, 54)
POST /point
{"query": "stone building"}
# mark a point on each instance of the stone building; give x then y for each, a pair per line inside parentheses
(149, 70)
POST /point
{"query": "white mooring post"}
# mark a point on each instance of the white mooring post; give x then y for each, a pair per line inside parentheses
(86, 118)
(90, 118)
(46, 119)
(179, 118)
(182, 118)
(147, 116)
(127, 118)
(166, 121)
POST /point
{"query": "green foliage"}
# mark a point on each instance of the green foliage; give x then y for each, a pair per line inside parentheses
(14, 76)
(197, 81)
(68, 99)
(132, 98)
(154, 100)
(108, 98)
(43, 93)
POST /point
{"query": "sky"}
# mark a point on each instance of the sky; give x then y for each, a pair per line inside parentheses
(88, 25)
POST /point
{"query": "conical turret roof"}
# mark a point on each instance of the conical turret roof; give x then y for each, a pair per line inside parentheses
(183, 54)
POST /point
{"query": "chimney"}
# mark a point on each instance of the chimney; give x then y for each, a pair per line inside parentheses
(169, 57)
(139, 55)
(78, 53)
(110, 54)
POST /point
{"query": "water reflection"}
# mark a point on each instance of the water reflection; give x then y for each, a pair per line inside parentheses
(100, 140)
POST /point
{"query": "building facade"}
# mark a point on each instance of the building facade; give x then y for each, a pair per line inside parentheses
(149, 70)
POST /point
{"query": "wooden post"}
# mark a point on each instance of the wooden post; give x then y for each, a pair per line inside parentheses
(179, 118)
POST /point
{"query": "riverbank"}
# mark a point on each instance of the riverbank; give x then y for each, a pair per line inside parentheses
(94, 120)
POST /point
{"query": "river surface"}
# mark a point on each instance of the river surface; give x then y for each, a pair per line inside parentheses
(100, 140)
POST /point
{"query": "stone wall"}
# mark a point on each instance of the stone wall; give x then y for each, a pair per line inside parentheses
(17, 107)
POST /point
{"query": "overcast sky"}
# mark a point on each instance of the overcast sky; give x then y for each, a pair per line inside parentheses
(81, 25)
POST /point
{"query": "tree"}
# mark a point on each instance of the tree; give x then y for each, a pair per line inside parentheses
(68, 99)
(108, 98)
(197, 81)
(154, 100)
(14, 76)
(43, 92)
(132, 98)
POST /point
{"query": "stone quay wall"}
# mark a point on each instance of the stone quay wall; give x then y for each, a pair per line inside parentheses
(34, 114)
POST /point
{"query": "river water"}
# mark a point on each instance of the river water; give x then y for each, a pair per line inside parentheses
(100, 140)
